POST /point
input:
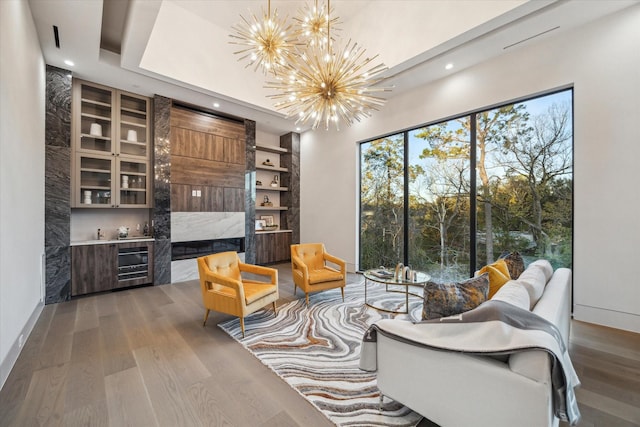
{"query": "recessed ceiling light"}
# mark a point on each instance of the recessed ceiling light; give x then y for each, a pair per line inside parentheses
(448, 66)
(215, 104)
(298, 129)
(69, 63)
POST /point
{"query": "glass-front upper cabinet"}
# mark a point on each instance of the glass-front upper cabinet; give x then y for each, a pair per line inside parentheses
(111, 144)
(95, 119)
(133, 127)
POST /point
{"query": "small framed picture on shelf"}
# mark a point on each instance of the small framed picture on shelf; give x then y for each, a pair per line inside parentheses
(268, 219)
(260, 224)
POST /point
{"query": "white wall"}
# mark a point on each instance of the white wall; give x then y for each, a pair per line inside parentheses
(22, 95)
(601, 61)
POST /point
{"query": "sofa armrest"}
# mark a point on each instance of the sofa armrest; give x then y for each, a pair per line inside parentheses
(455, 389)
(532, 364)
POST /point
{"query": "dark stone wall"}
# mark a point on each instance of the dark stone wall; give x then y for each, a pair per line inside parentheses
(291, 180)
(250, 193)
(162, 190)
(57, 185)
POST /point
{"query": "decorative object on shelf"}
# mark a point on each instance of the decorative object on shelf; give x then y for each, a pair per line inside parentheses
(87, 198)
(95, 129)
(268, 163)
(275, 182)
(266, 201)
(145, 230)
(125, 181)
(100, 234)
(268, 219)
(132, 136)
(267, 42)
(260, 224)
(258, 183)
(123, 232)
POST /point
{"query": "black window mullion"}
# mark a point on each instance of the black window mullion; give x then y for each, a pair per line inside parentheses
(405, 230)
(473, 191)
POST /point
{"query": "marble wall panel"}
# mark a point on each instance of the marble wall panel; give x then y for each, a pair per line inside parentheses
(183, 270)
(57, 185)
(162, 168)
(57, 193)
(291, 180)
(57, 274)
(250, 192)
(162, 262)
(192, 226)
(58, 107)
(161, 216)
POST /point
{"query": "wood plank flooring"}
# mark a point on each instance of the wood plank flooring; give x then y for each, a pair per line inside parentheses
(141, 357)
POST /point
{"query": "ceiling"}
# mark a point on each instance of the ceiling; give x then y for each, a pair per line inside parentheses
(180, 48)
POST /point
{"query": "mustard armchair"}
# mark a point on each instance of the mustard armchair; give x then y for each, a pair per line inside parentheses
(311, 272)
(224, 290)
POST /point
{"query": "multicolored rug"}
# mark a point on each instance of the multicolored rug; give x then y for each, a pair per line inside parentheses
(316, 350)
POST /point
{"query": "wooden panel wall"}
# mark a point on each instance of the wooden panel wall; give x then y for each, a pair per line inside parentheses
(207, 155)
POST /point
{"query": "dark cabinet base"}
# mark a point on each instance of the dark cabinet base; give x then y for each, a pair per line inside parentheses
(109, 266)
(273, 247)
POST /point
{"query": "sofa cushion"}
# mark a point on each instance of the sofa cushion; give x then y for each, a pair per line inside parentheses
(546, 267)
(513, 293)
(534, 280)
(448, 299)
(515, 264)
(498, 275)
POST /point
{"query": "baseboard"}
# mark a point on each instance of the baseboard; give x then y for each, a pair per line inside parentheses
(604, 317)
(7, 364)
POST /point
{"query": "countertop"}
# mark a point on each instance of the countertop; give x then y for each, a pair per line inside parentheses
(106, 241)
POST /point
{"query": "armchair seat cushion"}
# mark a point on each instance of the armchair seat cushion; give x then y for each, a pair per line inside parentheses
(326, 274)
(253, 291)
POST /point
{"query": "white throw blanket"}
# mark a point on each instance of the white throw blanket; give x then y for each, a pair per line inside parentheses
(492, 329)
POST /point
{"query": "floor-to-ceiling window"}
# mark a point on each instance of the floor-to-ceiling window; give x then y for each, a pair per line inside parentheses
(471, 188)
(382, 201)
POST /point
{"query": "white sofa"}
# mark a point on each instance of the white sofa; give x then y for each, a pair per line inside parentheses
(457, 390)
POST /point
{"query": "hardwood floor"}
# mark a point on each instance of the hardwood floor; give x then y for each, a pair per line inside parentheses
(141, 357)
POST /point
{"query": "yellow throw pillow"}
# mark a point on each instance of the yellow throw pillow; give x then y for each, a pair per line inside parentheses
(498, 275)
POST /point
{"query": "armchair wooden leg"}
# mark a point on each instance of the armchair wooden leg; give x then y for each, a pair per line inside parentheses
(342, 290)
(306, 295)
(206, 316)
(274, 308)
(295, 288)
(242, 325)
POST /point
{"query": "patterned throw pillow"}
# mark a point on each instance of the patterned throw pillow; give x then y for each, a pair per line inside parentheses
(448, 299)
(515, 263)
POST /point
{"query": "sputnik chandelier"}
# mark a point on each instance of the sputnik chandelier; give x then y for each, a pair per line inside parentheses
(267, 42)
(313, 25)
(318, 82)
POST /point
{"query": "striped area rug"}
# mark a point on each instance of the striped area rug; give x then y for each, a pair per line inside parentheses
(316, 350)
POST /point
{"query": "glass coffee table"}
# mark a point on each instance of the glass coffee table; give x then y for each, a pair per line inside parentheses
(391, 284)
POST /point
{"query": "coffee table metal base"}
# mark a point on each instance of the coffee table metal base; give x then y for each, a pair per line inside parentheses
(369, 276)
